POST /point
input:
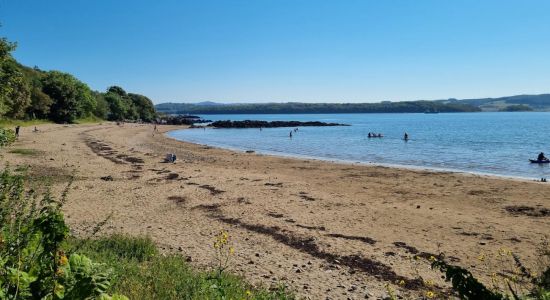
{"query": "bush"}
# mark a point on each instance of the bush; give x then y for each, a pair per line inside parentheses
(7, 136)
(33, 265)
(141, 272)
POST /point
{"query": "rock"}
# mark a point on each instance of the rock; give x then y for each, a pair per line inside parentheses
(188, 258)
(266, 124)
(107, 178)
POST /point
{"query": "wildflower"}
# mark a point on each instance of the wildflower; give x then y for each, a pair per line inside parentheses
(481, 257)
(63, 260)
(432, 258)
(428, 282)
(59, 272)
(248, 293)
(401, 282)
(231, 250)
(430, 294)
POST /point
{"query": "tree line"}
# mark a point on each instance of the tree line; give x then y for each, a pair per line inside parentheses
(31, 93)
(311, 108)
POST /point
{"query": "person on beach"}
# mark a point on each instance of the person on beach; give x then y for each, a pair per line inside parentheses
(370, 135)
(541, 157)
(406, 137)
(290, 134)
(17, 131)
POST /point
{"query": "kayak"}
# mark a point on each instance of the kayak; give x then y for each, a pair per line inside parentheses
(534, 161)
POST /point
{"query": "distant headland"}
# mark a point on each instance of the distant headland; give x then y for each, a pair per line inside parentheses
(511, 103)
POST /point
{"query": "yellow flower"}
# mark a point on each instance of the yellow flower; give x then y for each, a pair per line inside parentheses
(430, 294)
(428, 282)
(248, 293)
(63, 260)
(481, 257)
(402, 282)
(231, 250)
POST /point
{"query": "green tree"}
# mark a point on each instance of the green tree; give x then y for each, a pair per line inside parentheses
(71, 98)
(117, 106)
(14, 89)
(102, 107)
(144, 107)
(40, 104)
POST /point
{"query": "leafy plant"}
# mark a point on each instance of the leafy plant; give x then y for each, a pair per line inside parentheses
(33, 264)
(7, 136)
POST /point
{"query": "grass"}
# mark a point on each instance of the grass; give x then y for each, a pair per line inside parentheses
(143, 273)
(36, 122)
(23, 123)
(29, 152)
(89, 120)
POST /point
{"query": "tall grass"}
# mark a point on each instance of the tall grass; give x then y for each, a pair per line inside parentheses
(141, 272)
(22, 123)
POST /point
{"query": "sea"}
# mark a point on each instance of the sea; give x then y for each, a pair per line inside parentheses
(492, 143)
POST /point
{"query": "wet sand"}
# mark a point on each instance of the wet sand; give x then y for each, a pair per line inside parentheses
(324, 229)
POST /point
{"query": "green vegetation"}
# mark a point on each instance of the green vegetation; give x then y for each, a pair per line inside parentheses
(33, 94)
(516, 283)
(141, 272)
(23, 123)
(38, 260)
(513, 103)
(33, 264)
(517, 107)
(29, 152)
(314, 108)
(7, 136)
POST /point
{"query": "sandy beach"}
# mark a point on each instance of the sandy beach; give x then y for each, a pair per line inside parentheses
(326, 230)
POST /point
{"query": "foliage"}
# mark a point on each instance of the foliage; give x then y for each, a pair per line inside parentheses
(128, 106)
(517, 107)
(30, 93)
(71, 98)
(40, 104)
(14, 91)
(33, 264)
(309, 108)
(143, 273)
(7, 136)
(21, 151)
(515, 278)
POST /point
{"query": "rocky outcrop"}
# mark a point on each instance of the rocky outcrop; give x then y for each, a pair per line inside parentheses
(266, 124)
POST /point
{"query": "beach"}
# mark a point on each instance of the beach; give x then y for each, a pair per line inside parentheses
(327, 230)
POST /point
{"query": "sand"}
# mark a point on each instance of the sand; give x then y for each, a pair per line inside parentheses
(326, 230)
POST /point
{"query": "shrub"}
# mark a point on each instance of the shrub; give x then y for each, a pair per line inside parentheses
(33, 264)
(7, 136)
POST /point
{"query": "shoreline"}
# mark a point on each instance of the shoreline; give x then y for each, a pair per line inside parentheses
(359, 163)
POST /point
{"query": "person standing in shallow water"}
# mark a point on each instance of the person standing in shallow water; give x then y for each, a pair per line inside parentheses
(290, 134)
(406, 137)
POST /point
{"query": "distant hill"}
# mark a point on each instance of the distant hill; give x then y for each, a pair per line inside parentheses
(535, 102)
(512, 103)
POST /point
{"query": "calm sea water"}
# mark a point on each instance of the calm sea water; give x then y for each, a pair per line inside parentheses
(492, 143)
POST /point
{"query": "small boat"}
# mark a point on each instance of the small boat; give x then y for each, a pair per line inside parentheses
(535, 161)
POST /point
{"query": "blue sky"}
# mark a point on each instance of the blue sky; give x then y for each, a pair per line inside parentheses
(289, 50)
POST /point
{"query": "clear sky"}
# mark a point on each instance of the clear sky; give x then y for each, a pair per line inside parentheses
(289, 50)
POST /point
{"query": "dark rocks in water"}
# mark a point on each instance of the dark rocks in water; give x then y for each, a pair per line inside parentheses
(183, 120)
(266, 124)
